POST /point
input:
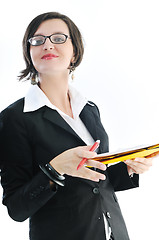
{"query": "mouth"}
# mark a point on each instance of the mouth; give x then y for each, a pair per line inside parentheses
(49, 56)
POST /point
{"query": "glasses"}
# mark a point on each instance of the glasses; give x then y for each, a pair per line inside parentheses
(54, 38)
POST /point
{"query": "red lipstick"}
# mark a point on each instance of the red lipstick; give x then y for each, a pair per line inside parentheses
(49, 56)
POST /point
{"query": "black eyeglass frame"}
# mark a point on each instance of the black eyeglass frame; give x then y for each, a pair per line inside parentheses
(45, 37)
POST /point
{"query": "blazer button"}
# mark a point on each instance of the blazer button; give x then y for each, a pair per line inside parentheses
(96, 190)
(108, 214)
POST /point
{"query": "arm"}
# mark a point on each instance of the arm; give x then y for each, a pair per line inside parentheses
(120, 179)
(26, 188)
(29, 198)
(24, 191)
(120, 174)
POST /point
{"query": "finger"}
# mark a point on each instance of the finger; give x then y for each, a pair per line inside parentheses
(138, 167)
(90, 174)
(96, 164)
(145, 161)
(85, 153)
(132, 170)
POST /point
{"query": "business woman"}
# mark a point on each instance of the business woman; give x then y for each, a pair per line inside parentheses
(45, 136)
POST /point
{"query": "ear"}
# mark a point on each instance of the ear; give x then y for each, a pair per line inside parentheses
(73, 59)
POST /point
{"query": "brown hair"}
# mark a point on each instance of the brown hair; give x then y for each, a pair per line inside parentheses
(30, 71)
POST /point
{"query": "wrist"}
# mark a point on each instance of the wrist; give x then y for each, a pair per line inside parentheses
(130, 171)
(53, 175)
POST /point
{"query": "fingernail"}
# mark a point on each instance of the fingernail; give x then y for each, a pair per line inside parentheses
(103, 167)
(103, 177)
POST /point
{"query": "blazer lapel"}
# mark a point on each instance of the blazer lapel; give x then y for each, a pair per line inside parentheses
(54, 117)
(88, 119)
(92, 122)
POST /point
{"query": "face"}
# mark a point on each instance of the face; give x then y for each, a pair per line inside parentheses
(51, 58)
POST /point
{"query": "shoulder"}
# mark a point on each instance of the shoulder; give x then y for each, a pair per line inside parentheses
(14, 108)
(93, 107)
(13, 112)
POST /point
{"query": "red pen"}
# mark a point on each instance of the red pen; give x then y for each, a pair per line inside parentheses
(92, 149)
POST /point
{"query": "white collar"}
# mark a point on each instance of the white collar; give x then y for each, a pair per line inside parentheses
(36, 99)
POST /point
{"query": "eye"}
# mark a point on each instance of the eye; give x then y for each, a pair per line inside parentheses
(37, 40)
(58, 38)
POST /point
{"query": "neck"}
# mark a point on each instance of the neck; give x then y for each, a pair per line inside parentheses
(56, 89)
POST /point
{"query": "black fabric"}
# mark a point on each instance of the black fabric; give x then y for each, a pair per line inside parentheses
(71, 212)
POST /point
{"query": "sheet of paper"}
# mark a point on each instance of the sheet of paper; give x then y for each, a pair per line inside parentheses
(123, 155)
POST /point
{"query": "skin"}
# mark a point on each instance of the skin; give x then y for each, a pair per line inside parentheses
(53, 81)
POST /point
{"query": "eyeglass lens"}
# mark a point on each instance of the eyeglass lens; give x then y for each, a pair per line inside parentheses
(55, 38)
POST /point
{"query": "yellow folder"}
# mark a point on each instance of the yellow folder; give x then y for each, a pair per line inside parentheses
(140, 152)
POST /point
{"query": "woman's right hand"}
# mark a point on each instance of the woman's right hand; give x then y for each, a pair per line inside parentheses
(67, 162)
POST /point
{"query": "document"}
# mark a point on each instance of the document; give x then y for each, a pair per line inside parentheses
(138, 152)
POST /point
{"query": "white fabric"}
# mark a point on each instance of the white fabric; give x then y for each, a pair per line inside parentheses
(36, 99)
(107, 228)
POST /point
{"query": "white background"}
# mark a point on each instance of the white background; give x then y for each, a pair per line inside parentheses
(119, 72)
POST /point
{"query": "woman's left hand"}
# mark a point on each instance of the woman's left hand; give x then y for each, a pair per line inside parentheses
(139, 165)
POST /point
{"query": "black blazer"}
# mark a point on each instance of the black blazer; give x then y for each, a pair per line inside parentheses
(73, 212)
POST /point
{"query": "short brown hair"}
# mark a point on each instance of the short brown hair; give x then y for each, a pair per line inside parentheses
(30, 71)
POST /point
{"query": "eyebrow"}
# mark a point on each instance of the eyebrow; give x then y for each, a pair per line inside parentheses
(40, 34)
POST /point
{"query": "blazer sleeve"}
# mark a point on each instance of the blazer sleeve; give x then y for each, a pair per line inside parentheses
(118, 174)
(120, 179)
(24, 191)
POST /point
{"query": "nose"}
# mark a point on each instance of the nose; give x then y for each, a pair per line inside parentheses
(48, 45)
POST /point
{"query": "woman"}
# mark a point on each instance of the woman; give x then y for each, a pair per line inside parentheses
(46, 135)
